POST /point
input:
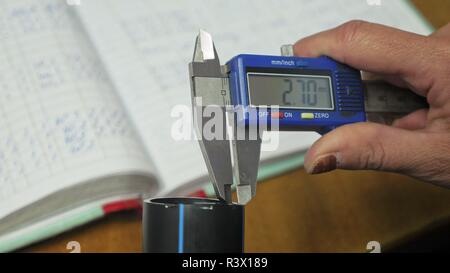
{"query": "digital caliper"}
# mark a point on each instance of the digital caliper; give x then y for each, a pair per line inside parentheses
(301, 94)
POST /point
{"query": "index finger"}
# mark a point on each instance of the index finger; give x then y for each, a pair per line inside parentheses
(371, 47)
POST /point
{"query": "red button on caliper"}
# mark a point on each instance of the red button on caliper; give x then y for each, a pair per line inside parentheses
(277, 115)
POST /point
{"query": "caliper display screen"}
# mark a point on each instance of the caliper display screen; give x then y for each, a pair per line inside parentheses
(290, 91)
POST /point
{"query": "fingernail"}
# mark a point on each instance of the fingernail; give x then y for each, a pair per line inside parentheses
(324, 164)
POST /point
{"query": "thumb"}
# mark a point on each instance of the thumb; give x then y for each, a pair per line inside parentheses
(370, 146)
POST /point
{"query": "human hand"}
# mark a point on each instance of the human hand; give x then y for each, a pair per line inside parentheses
(418, 144)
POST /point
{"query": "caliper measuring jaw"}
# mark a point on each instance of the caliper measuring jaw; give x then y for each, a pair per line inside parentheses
(211, 102)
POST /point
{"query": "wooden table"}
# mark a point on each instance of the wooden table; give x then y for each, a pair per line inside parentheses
(341, 211)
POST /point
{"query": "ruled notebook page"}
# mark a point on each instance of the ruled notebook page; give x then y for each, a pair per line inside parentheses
(146, 47)
(61, 122)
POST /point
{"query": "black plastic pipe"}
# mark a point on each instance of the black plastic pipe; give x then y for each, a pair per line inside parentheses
(192, 225)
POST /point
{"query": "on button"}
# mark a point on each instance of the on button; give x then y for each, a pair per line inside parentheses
(277, 115)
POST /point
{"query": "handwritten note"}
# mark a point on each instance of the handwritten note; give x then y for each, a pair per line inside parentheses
(61, 121)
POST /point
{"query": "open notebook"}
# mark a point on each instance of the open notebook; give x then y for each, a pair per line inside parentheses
(86, 93)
